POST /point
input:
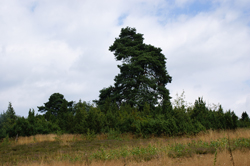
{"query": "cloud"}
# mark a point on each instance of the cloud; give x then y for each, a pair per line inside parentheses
(62, 46)
(207, 54)
(210, 59)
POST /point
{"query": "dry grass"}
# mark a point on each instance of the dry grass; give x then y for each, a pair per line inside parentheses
(46, 137)
(65, 138)
(211, 135)
(223, 159)
(36, 138)
(49, 153)
(203, 136)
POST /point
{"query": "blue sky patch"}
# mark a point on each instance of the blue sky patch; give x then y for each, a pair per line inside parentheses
(33, 6)
(122, 18)
(248, 82)
(193, 8)
(190, 9)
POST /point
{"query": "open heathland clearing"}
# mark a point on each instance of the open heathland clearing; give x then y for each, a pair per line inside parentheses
(207, 148)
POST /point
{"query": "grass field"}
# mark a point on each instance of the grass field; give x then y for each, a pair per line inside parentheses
(210, 148)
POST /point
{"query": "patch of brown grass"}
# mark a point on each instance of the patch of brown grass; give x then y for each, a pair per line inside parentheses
(241, 158)
(47, 137)
(203, 136)
(209, 135)
(36, 138)
(44, 149)
(65, 138)
(213, 135)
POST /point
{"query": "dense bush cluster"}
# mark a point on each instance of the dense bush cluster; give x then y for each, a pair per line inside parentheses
(82, 117)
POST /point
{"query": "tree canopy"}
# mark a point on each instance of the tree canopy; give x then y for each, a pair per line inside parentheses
(85, 118)
(56, 105)
(143, 76)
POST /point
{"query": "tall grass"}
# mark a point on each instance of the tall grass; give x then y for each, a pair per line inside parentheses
(223, 158)
(120, 149)
(203, 136)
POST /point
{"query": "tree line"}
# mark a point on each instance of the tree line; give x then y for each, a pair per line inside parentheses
(81, 117)
(138, 102)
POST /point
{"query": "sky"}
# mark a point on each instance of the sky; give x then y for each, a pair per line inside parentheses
(61, 46)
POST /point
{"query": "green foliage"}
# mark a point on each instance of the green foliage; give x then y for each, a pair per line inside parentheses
(215, 157)
(2, 133)
(6, 141)
(146, 109)
(56, 107)
(159, 126)
(89, 120)
(96, 119)
(7, 122)
(245, 117)
(143, 74)
(90, 135)
(22, 127)
(10, 115)
(220, 119)
(80, 118)
(114, 134)
(231, 120)
(200, 112)
(31, 117)
(244, 121)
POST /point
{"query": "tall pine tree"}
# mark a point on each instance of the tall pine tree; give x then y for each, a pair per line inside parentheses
(143, 76)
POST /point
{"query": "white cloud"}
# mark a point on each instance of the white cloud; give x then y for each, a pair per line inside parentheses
(211, 59)
(207, 55)
(62, 46)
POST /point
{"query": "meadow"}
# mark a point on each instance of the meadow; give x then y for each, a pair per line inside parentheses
(222, 147)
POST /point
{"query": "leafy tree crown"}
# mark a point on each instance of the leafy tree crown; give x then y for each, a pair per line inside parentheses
(143, 76)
